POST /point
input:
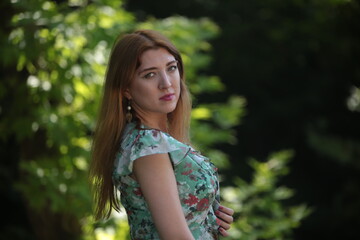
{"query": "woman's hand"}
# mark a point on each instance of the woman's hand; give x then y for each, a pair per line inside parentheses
(224, 219)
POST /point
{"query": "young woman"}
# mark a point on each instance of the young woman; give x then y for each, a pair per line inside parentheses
(141, 147)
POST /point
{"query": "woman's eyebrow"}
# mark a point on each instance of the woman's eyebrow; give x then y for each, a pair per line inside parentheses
(146, 69)
(154, 68)
(171, 62)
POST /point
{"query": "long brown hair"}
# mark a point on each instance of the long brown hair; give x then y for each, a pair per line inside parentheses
(123, 63)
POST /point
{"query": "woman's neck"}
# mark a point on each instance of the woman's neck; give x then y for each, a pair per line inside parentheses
(156, 123)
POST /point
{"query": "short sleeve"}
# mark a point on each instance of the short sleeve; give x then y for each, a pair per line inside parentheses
(146, 142)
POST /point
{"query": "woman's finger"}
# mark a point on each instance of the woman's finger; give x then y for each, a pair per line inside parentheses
(227, 210)
(222, 224)
(225, 217)
(223, 232)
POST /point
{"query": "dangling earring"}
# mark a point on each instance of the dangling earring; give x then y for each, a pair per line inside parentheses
(128, 113)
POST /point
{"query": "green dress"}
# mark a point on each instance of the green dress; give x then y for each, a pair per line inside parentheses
(196, 179)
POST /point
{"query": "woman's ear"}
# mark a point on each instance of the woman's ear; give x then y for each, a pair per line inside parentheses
(127, 94)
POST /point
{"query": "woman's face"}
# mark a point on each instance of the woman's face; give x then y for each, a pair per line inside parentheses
(155, 90)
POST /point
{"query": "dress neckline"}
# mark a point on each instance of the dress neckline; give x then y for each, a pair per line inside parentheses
(141, 126)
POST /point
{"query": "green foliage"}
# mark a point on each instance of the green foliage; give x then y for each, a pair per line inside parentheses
(62, 55)
(259, 205)
(56, 58)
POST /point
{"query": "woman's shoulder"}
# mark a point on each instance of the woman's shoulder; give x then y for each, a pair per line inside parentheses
(139, 141)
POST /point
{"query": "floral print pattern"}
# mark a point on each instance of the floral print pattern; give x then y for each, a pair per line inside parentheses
(196, 179)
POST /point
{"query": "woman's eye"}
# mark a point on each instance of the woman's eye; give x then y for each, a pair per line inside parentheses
(172, 68)
(149, 75)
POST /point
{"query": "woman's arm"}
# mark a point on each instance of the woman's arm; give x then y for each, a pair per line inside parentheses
(156, 177)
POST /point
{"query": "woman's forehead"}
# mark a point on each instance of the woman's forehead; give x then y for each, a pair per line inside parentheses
(157, 56)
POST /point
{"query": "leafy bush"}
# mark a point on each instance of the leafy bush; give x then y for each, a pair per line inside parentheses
(259, 204)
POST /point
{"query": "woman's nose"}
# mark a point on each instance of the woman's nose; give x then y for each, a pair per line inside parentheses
(165, 81)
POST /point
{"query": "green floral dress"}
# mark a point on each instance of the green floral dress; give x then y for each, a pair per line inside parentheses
(196, 179)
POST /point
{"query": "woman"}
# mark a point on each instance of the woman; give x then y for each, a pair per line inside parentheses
(141, 147)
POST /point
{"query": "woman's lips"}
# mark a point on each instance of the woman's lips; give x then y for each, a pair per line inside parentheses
(168, 97)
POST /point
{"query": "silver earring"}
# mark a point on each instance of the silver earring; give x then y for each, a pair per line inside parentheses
(128, 112)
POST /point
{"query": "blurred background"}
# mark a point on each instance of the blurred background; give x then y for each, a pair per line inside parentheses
(276, 90)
